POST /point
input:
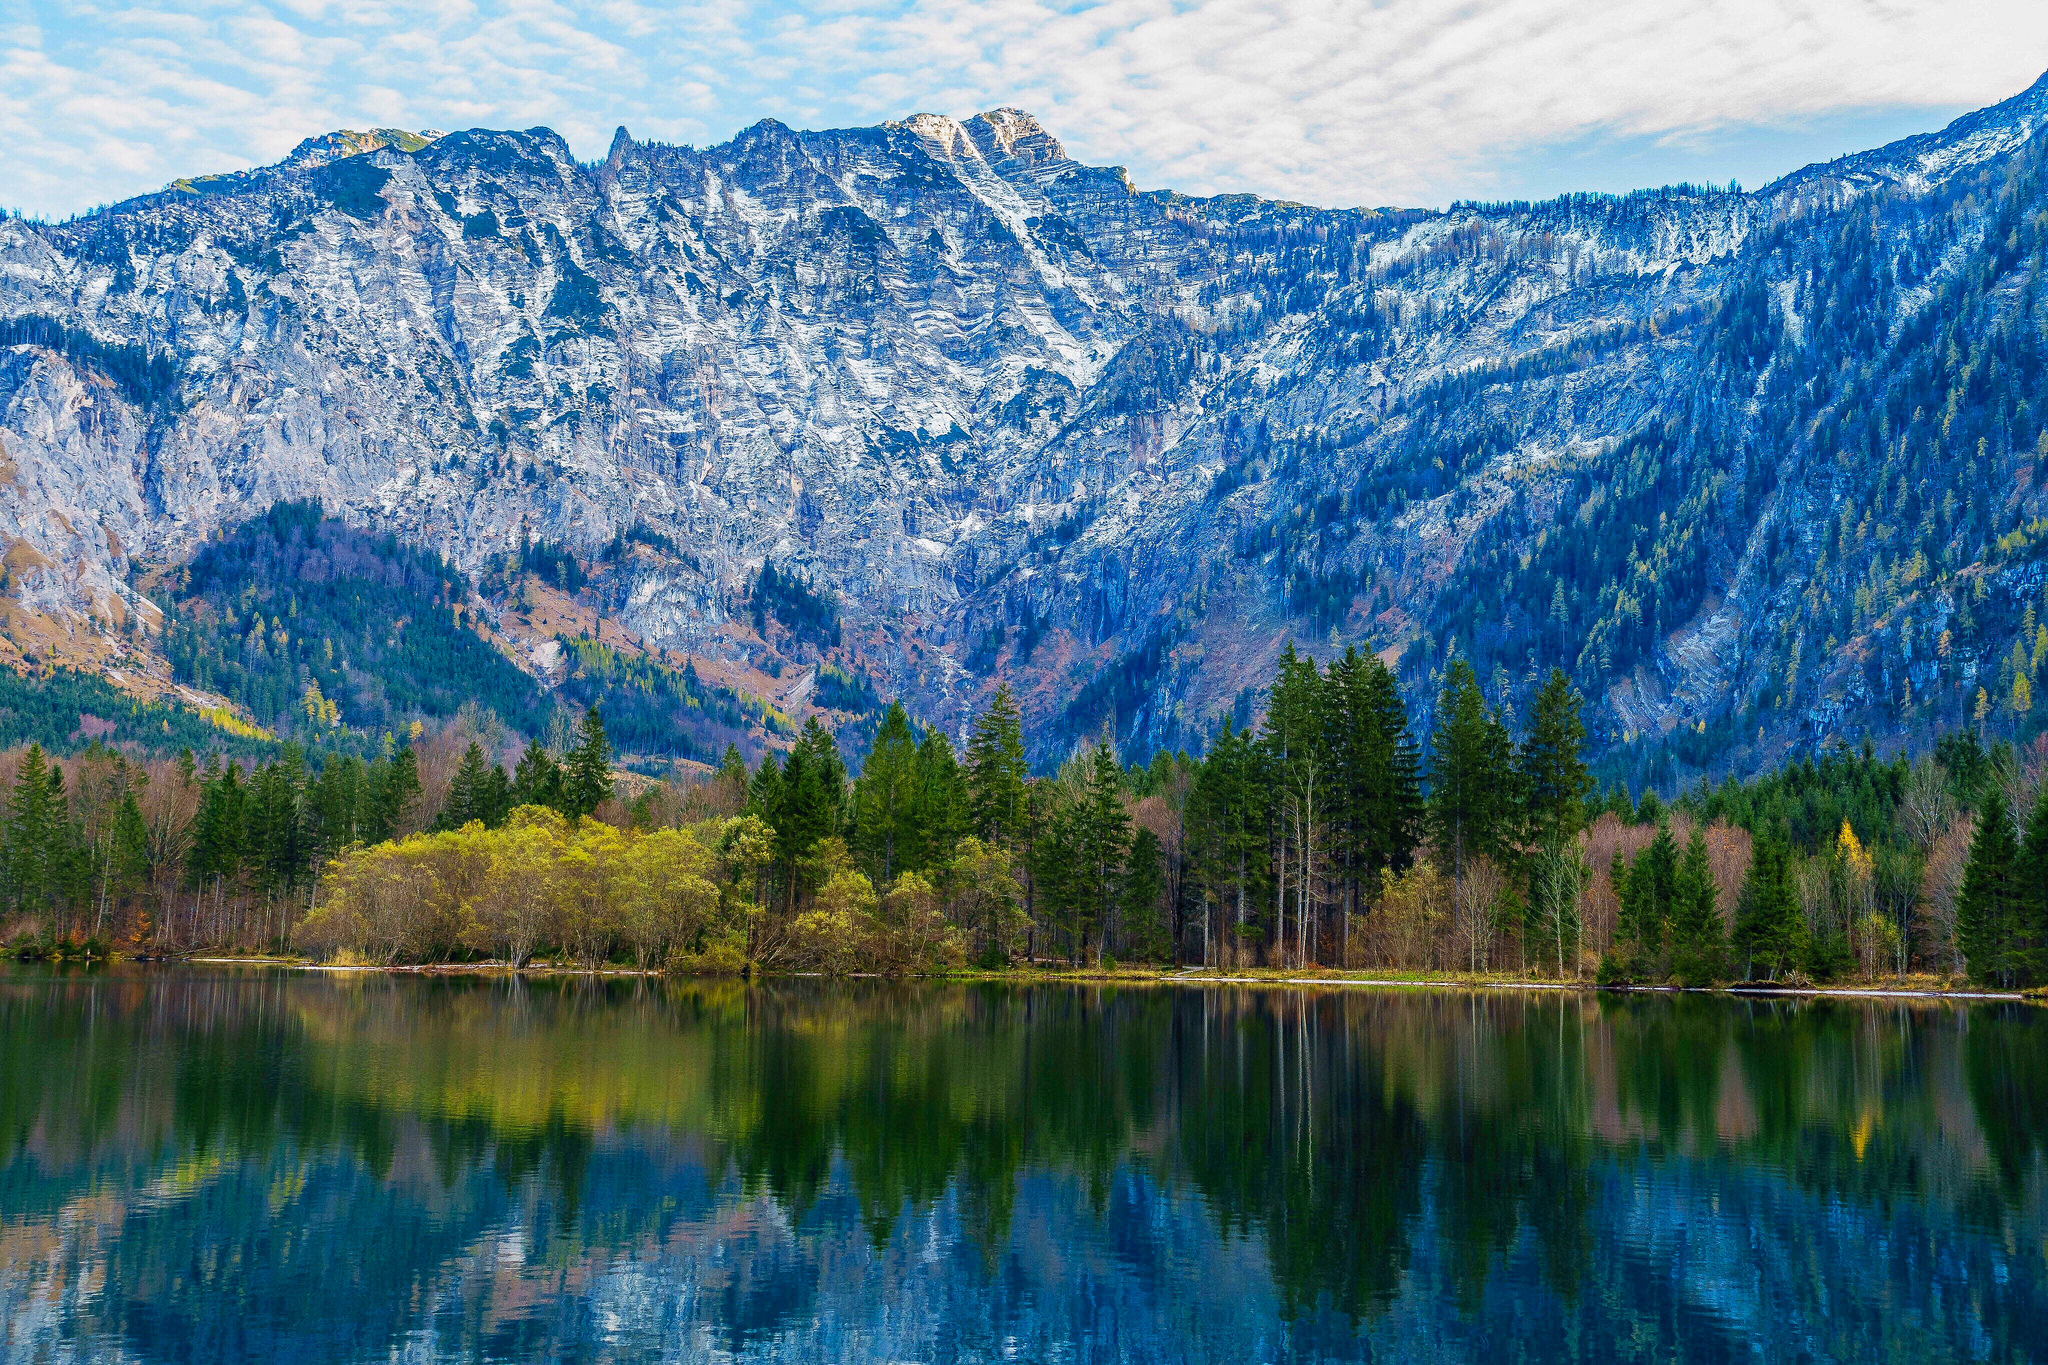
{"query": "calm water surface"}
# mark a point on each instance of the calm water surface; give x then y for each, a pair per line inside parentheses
(252, 1165)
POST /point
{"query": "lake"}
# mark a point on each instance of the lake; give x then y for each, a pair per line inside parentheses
(224, 1164)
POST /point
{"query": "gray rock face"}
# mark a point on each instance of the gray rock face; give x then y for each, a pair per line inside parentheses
(1024, 419)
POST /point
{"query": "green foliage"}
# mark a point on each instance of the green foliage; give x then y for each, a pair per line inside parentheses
(1696, 936)
(655, 709)
(292, 601)
(1769, 933)
(996, 770)
(1806, 801)
(60, 709)
(552, 564)
(355, 185)
(1472, 797)
(810, 614)
(1999, 923)
(145, 378)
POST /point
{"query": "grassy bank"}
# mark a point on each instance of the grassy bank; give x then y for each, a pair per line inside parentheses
(1133, 974)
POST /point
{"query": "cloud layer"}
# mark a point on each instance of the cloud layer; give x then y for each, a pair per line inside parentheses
(1328, 101)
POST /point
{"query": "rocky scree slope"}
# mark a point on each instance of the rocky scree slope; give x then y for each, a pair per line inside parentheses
(1756, 468)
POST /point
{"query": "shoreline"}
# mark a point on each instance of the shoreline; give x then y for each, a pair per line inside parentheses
(1193, 976)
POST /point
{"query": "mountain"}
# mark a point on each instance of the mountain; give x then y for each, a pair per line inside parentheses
(1758, 469)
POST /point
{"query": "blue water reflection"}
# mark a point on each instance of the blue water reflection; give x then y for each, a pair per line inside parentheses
(292, 1167)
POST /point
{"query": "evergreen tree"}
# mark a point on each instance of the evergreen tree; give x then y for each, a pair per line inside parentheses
(494, 797)
(885, 833)
(129, 866)
(1393, 800)
(1226, 834)
(1645, 890)
(278, 838)
(2032, 890)
(336, 805)
(396, 796)
(537, 779)
(996, 770)
(1555, 783)
(1989, 909)
(1697, 941)
(1768, 928)
(468, 791)
(587, 782)
(1471, 803)
(940, 813)
(1144, 929)
(1103, 837)
(31, 835)
(219, 831)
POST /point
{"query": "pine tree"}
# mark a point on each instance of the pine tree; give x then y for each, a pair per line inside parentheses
(2032, 892)
(537, 780)
(1555, 783)
(1767, 923)
(1393, 800)
(219, 833)
(30, 834)
(467, 790)
(129, 865)
(278, 838)
(1227, 835)
(996, 770)
(1144, 931)
(494, 797)
(1104, 839)
(884, 799)
(397, 796)
(940, 812)
(1697, 941)
(587, 783)
(334, 807)
(1988, 909)
(1470, 771)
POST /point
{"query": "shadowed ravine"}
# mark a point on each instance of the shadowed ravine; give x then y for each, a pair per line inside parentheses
(282, 1166)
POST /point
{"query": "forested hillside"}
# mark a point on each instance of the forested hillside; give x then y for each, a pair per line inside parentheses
(345, 638)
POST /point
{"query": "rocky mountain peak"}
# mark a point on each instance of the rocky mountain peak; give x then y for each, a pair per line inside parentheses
(1021, 421)
(347, 142)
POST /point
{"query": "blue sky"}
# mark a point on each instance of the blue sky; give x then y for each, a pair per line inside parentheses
(1329, 101)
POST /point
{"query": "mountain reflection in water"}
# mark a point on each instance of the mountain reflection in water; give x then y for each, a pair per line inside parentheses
(237, 1165)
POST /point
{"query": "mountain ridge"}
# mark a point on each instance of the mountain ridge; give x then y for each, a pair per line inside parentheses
(989, 394)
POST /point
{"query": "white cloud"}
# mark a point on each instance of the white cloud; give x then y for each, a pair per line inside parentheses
(1331, 101)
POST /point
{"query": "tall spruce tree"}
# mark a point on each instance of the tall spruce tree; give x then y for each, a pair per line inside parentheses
(1768, 929)
(1555, 782)
(537, 780)
(1102, 843)
(996, 771)
(1989, 909)
(587, 783)
(884, 799)
(32, 871)
(1471, 805)
(1144, 928)
(2032, 891)
(1698, 944)
(939, 811)
(1227, 836)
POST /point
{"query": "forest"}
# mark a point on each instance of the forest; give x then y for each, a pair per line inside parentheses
(1326, 834)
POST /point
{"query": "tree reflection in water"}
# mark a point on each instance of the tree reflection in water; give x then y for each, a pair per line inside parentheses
(291, 1166)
